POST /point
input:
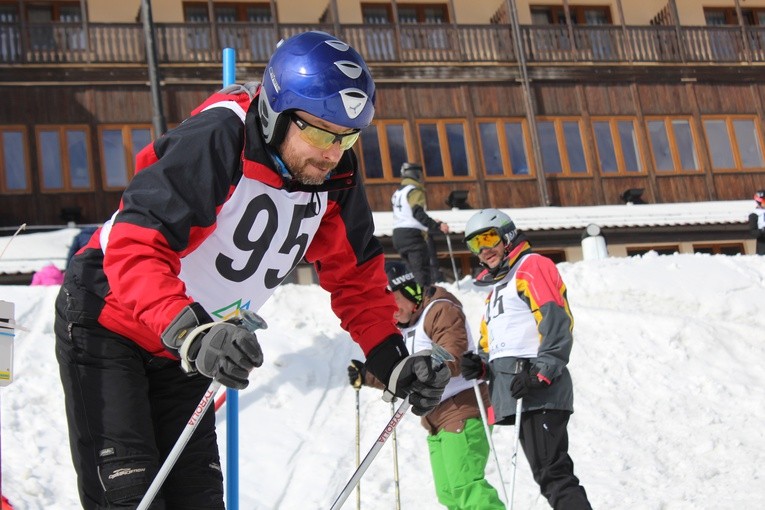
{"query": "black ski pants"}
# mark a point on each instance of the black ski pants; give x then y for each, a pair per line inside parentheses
(412, 246)
(126, 409)
(544, 438)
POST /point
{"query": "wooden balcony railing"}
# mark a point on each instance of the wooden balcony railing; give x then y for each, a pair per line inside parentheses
(178, 43)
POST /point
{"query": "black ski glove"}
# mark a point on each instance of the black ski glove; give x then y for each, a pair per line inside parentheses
(224, 351)
(527, 381)
(417, 377)
(357, 372)
(473, 366)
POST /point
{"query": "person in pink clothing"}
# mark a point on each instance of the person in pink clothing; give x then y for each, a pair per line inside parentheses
(48, 275)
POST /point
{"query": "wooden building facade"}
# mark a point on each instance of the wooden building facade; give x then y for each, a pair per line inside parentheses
(521, 103)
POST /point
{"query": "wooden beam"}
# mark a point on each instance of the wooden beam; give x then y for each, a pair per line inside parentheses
(544, 195)
(214, 44)
(570, 28)
(275, 19)
(742, 26)
(678, 32)
(85, 27)
(623, 23)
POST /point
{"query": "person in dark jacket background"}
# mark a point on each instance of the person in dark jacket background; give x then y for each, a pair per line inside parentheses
(527, 333)
(757, 221)
(411, 223)
(457, 442)
(222, 208)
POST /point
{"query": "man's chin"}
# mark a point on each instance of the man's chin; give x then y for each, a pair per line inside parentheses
(311, 181)
(492, 263)
(313, 176)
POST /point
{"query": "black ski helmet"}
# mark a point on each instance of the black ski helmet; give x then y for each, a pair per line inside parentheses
(401, 278)
(411, 171)
(759, 197)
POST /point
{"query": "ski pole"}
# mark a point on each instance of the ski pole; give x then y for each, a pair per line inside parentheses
(180, 444)
(451, 256)
(358, 445)
(231, 395)
(22, 227)
(251, 321)
(439, 356)
(485, 420)
(395, 463)
(518, 410)
(370, 456)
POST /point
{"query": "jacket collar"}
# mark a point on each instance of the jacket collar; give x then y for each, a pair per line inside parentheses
(491, 276)
(260, 162)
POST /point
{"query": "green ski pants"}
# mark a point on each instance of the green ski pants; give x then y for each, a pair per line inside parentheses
(458, 461)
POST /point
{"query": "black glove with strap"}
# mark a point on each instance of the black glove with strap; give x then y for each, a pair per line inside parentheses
(527, 381)
(357, 372)
(473, 366)
(225, 351)
(417, 375)
(420, 378)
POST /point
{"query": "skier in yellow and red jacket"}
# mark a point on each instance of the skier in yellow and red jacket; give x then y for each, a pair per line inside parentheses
(527, 331)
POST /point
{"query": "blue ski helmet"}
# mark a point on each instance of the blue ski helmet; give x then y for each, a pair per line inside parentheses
(317, 73)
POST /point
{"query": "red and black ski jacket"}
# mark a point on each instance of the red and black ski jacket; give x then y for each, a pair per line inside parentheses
(210, 218)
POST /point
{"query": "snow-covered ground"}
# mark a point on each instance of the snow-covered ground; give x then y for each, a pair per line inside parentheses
(669, 396)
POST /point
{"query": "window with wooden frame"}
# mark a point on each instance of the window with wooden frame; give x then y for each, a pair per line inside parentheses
(616, 143)
(376, 13)
(734, 141)
(445, 148)
(9, 12)
(63, 153)
(384, 146)
(422, 13)
(560, 142)
(252, 44)
(719, 16)
(672, 141)
(46, 12)
(420, 28)
(580, 14)
(505, 147)
(228, 12)
(119, 146)
(719, 248)
(14, 156)
(42, 18)
(10, 33)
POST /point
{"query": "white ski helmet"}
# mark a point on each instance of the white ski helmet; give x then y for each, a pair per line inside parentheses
(486, 219)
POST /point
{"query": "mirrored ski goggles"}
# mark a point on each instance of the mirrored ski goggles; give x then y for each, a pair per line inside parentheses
(323, 139)
(483, 240)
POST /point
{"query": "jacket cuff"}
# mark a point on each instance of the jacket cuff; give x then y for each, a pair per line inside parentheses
(385, 356)
(190, 317)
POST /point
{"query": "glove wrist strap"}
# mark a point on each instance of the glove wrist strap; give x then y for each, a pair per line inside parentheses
(187, 364)
(382, 359)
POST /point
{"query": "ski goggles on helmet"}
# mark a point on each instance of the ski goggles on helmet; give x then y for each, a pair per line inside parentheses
(483, 240)
(323, 139)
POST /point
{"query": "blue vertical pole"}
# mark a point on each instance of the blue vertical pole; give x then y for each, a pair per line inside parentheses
(232, 396)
